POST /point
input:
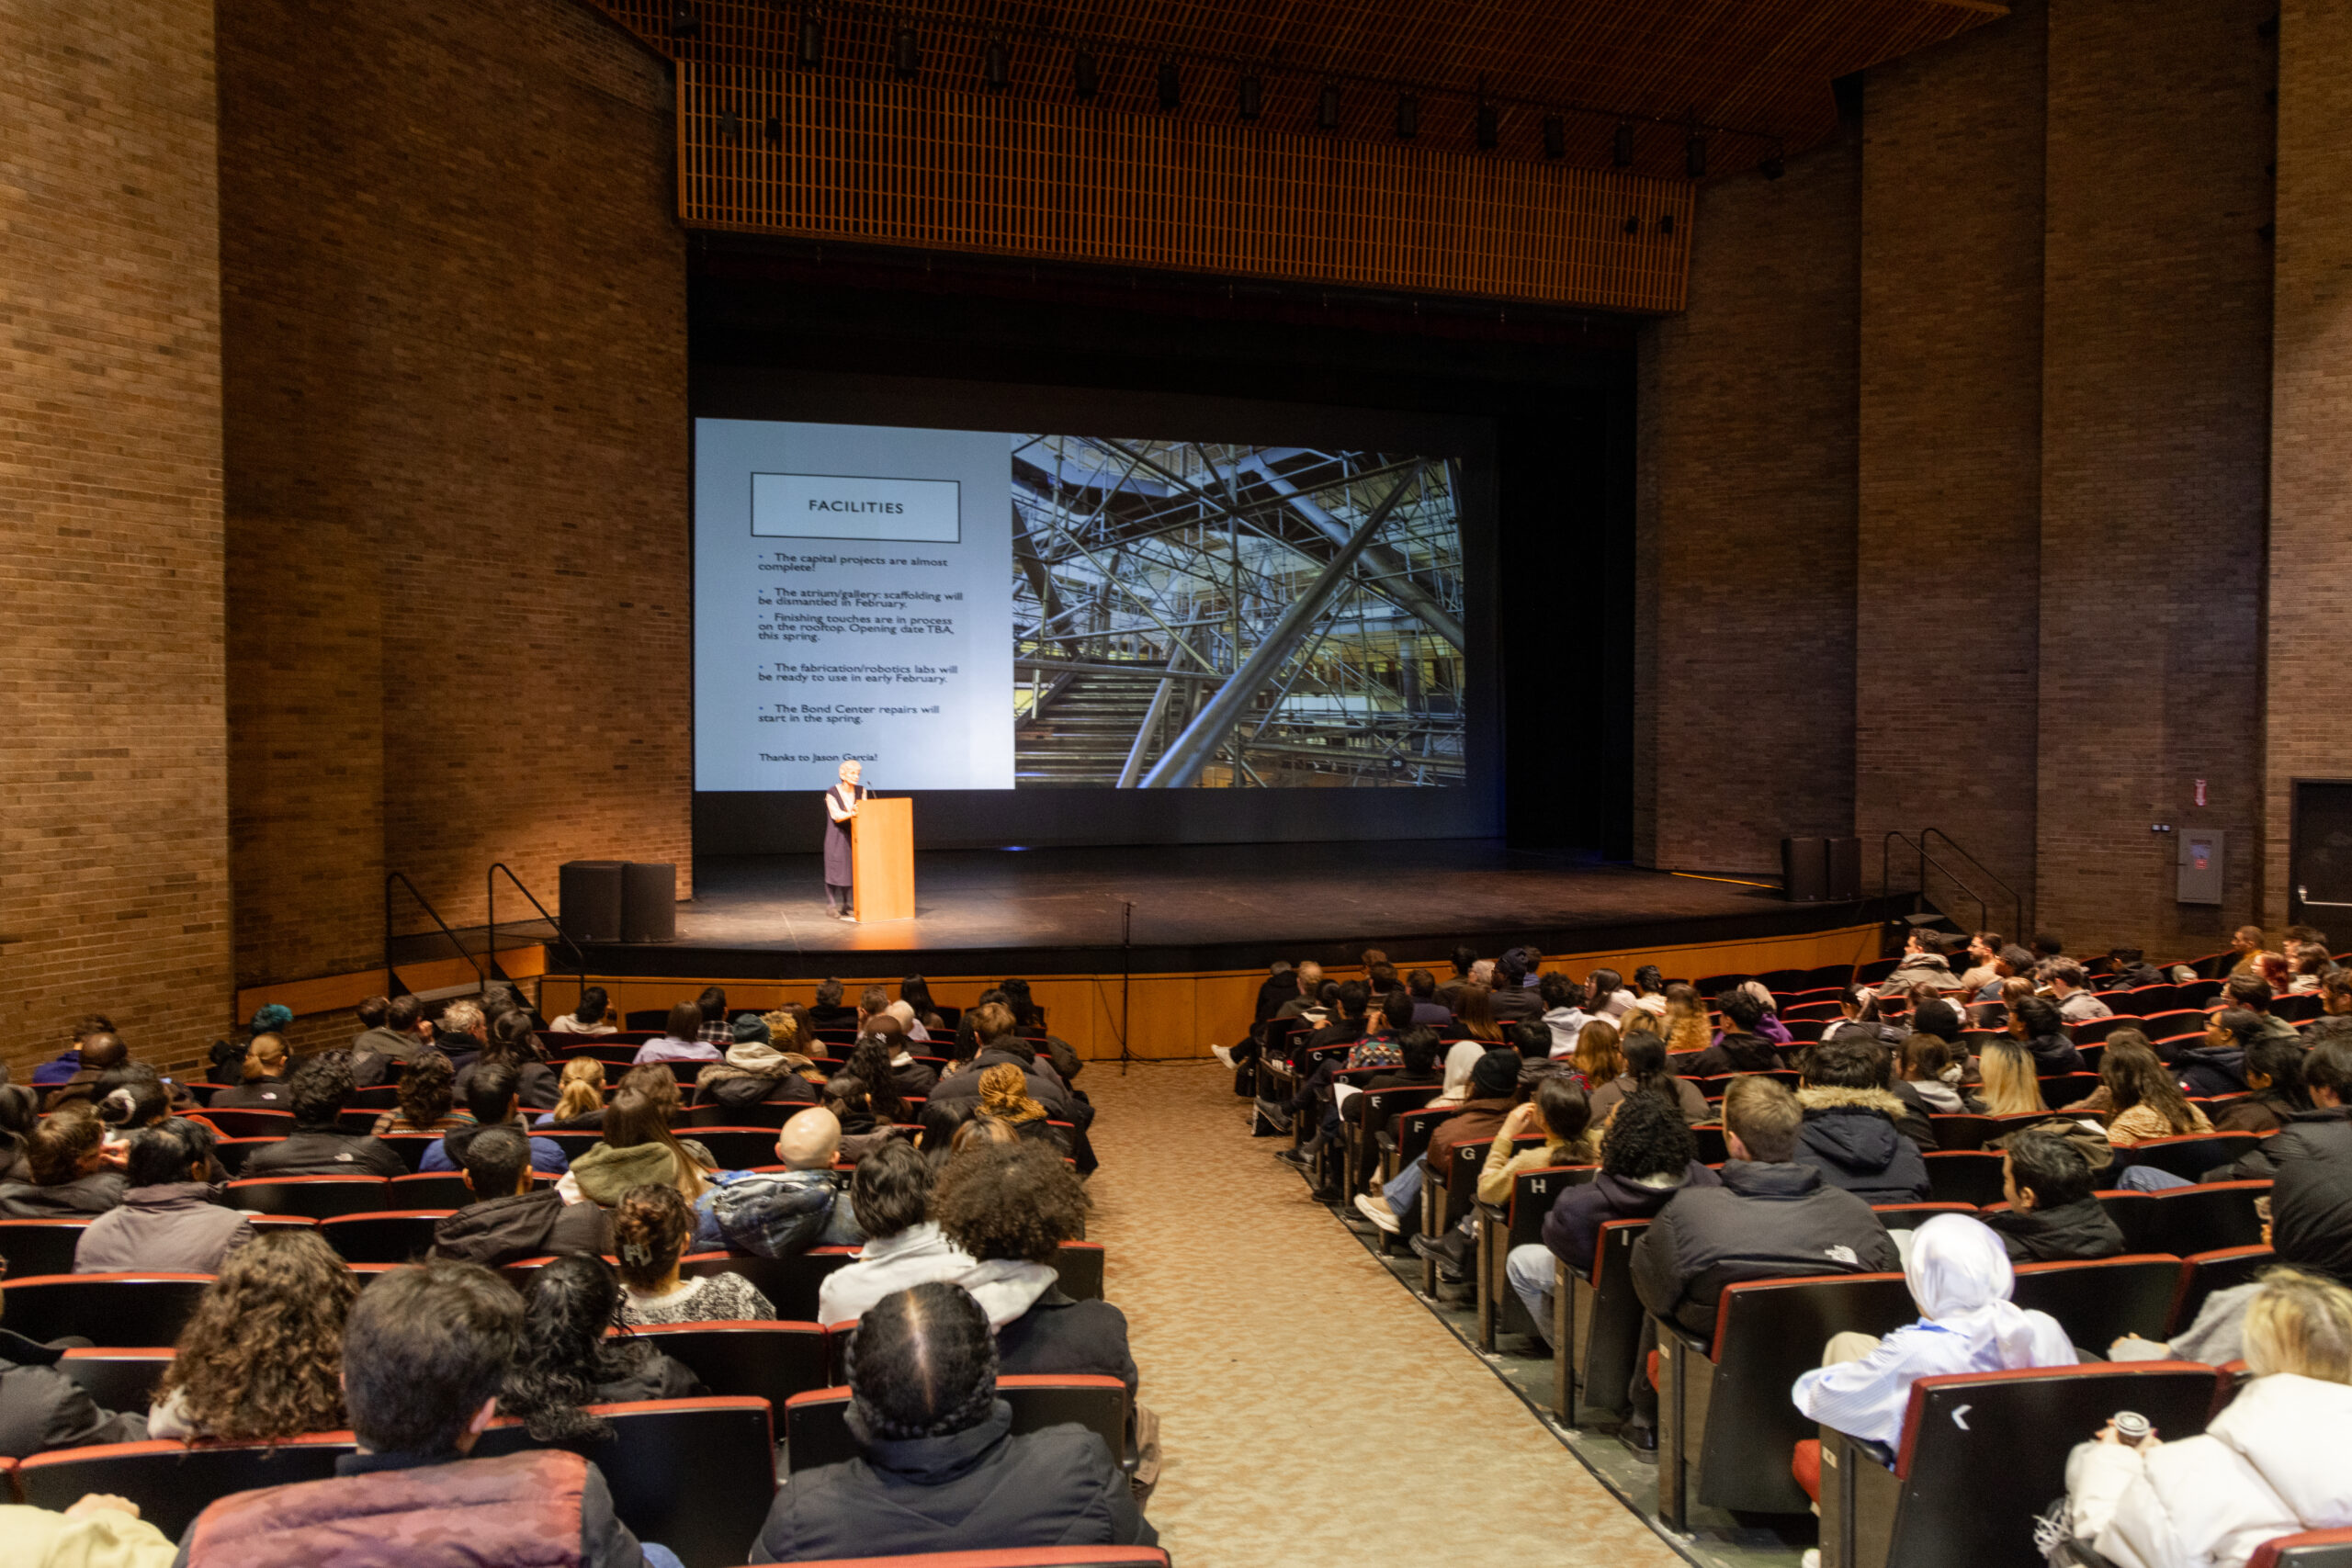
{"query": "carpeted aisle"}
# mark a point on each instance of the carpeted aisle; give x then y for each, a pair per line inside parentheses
(1311, 1410)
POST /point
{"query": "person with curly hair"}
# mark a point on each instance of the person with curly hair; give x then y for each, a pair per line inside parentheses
(864, 1093)
(1648, 1155)
(261, 1359)
(319, 1145)
(940, 1467)
(891, 1191)
(1012, 1206)
(567, 1359)
(1004, 1094)
(651, 1230)
(427, 1097)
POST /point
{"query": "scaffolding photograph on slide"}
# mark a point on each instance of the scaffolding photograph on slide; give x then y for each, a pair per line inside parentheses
(1191, 614)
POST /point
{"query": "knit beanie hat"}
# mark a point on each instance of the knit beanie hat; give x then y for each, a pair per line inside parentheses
(1495, 1074)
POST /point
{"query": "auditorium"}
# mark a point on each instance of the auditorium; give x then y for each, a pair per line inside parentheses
(956, 783)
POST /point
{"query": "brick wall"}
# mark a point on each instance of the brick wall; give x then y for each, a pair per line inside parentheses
(2309, 656)
(1744, 527)
(1950, 468)
(2157, 374)
(457, 461)
(114, 885)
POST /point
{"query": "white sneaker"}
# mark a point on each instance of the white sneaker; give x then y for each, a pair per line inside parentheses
(1377, 1210)
(1812, 1558)
(1224, 1054)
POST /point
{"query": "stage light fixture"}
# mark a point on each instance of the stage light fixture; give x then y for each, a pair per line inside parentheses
(996, 64)
(1694, 155)
(1253, 94)
(1665, 222)
(1489, 126)
(684, 23)
(1327, 108)
(1632, 224)
(1622, 153)
(906, 51)
(773, 130)
(1408, 116)
(1774, 167)
(1555, 137)
(730, 124)
(1170, 86)
(812, 41)
(1085, 76)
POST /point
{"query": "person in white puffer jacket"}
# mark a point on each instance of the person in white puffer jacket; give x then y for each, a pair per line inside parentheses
(2271, 1464)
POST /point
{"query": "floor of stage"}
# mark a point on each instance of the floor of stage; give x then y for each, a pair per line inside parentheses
(1218, 906)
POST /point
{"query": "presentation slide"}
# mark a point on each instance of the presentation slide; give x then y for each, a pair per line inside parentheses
(982, 610)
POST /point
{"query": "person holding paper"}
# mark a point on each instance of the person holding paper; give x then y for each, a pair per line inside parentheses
(841, 806)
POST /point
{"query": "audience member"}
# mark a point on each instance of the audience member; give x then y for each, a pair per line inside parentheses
(167, 1219)
(568, 1358)
(1646, 1070)
(425, 1100)
(2146, 1102)
(757, 1070)
(1598, 1057)
(100, 1052)
(939, 1467)
(1922, 963)
(1850, 1129)
(1959, 1279)
(2052, 1216)
(1646, 1156)
(1010, 1207)
(2011, 1087)
(578, 1100)
(1927, 1081)
(2069, 989)
(780, 1214)
(2323, 1134)
(1511, 1000)
(1473, 1011)
(512, 1217)
(61, 1067)
(426, 1351)
(2251, 993)
(2128, 969)
(1430, 1012)
(829, 1013)
(904, 1248)
(635, 1147)
(388, 1029)
(1563, 1116)
(262, 1081)
(458, 1033)
(320, 1144)
(491, 1102)
(681, 1040)
(227, 1057)
(2273, 1078)
(1984, 961)
(653, 1228)
(1494, 1079)
(2248, 948)
(514, 1045)
(2269, 1464)
(2035, 1024)
(19, 1115)
(73, 1172)
(864, 1093)
(591, 1015)
(261, 1359)
(1770, 1218)
(1740, 1049)
(42, 1408)
(957, 1094)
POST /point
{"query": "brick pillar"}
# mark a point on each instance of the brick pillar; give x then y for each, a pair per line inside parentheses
(114, 887)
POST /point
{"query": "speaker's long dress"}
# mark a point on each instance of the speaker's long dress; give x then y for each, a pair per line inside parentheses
(837, 866)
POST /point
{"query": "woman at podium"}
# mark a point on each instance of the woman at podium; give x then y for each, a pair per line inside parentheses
(841, 808)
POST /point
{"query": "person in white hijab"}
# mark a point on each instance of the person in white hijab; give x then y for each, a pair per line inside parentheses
(1462, 1056)
(1960, 1276)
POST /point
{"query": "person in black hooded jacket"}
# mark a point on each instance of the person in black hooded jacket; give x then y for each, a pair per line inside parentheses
(2321, 1134)
(1851, 1132)
(510, 1218)
(938, 1466)
(2051, 1216)
(1741, 1049)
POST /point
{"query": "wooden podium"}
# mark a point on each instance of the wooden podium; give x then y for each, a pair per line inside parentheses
(882, 859)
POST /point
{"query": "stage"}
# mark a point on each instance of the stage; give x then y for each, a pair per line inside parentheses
(1204, 908)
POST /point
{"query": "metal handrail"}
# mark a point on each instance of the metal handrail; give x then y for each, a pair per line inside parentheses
(1925, 860)
(392, 975)
(2016, 902)
(489, 887)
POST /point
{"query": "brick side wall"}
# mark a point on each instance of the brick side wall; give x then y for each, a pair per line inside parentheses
(1950, 430)
(457, 461)
(1745, 519)
(2309, 629)
(2155, 438)
(114, 884)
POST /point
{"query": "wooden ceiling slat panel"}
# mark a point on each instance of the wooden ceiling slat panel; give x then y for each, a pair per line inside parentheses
(937, 161)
